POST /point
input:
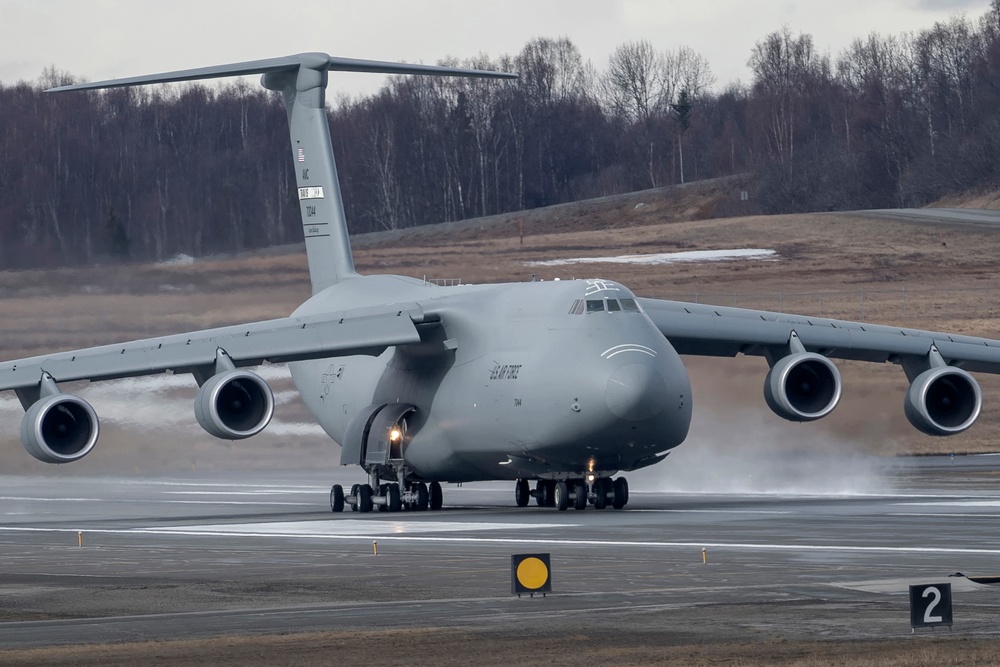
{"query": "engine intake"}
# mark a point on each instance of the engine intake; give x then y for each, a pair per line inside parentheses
(234, 405)
(60, 428)
(943, 401)
(802, 387)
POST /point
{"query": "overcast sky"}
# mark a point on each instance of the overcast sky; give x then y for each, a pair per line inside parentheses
(103, 39)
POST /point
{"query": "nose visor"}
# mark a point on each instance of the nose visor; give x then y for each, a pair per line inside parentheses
(636, 392)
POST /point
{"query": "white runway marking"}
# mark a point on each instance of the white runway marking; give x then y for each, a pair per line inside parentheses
(277, 488)
(718, 511)
(954, 515)
(258, 492)
(159, 502)
(957, 503)
(378, 530)
(344, 528)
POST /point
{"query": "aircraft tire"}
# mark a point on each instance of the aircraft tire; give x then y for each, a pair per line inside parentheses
(541, 493)
(436, 496)
(354, 494)
(365, 498)
(601, 485)
(337, 498)
(421, 503)
(621, 493)
(561, 496)
(580, 499)
(521, 493)
(392, 498)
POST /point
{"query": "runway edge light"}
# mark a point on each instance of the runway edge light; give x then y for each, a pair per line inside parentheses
(530, 573)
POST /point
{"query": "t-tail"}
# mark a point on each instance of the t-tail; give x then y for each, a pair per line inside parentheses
(301, 79)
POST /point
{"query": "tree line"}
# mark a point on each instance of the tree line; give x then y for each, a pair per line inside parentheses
(147, 173)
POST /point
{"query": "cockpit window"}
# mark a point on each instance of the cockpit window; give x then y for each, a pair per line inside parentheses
(595, 305)
(630, 306)
(613, 305)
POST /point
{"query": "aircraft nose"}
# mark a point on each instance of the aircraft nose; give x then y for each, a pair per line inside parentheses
(636, 391)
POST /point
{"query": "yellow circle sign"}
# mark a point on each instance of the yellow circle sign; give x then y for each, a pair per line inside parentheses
(532, 573)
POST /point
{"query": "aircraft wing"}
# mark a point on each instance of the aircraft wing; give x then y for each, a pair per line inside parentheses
(366, 331)
(706, 330)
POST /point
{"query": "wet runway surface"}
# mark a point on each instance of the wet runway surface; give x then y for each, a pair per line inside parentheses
(211, 554)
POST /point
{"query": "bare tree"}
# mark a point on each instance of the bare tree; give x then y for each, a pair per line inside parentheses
(633, 86)
(784, 69)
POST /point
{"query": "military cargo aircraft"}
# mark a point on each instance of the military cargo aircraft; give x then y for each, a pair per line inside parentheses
(557, 386)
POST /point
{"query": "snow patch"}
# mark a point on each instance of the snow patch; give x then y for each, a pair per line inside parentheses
(668, 257)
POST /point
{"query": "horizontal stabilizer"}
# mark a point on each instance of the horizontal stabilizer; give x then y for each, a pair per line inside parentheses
(316, 61)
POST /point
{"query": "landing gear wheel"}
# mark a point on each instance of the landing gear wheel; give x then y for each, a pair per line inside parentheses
(601, 485)
(383, 491)
(437, 497)
(355, 489)
(542, 493)
(521, 493)
(621, 493)
(365, 498)
(580, 500)
(561, 496)
(337, 498)
(421, 501)
(392, 498)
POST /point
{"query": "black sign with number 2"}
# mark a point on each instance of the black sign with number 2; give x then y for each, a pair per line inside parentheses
(930, 605)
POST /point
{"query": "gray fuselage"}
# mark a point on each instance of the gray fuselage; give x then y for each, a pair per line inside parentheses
(542, 379)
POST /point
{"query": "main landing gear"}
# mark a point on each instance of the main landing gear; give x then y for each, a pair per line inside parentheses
(414, 496)
(562, 494)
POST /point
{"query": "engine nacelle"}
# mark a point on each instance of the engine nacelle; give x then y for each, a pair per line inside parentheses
(803, 387)
(60, 428)
(943, 401)
(234, 405)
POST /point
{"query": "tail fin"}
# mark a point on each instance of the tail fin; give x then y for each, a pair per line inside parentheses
(302, 80)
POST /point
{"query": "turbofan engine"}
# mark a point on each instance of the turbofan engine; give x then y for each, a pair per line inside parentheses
(802, 387)
(234, 405)
(59, 428)
(943, 401)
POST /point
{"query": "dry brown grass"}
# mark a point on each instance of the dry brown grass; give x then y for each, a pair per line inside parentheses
(462, 647)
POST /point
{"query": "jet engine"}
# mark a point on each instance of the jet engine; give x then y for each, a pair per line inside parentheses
(59, 428)
(234, 405)
(802, 387)
(943, 401)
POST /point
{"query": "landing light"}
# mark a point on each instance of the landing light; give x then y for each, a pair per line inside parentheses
(395, 434)
(591, 477)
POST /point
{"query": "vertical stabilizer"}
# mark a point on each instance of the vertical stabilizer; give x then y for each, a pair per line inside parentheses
(324, 225)
(301, 79)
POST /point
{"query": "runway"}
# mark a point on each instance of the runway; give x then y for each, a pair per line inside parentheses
(210, 554)
(968, 217)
